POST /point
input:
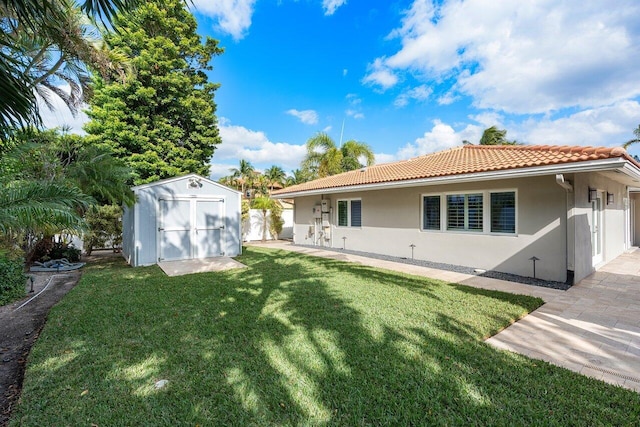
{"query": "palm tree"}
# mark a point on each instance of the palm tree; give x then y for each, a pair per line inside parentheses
(260, 184)
(275, 175)
(49, 180)
(324, 158)
(352, 152)
(636, 139)
(264, 204)
(244, 173)
(298, 176)
(102, 176)
(495, 136)
(41, 205)
(229, 181)
(35, 29)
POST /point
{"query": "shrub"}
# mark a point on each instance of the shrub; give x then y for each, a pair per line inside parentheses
(64, 250)
(12, 279)
(105, 226)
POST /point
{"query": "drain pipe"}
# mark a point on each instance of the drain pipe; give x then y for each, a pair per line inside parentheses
(566, 185)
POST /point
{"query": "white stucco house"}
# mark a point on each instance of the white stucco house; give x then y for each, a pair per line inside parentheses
(485, 207)
(186, 217)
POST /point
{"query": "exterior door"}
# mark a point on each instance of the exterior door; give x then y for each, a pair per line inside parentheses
(190, 228)
(596, 229)
(209, 228)
(175, 230)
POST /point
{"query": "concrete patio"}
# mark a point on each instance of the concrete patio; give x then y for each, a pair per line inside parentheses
(593, 328)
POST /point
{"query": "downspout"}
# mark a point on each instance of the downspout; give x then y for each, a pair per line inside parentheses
(566, 185)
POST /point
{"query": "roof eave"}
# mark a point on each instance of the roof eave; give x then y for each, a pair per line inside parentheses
(588, 166)
(137, 188)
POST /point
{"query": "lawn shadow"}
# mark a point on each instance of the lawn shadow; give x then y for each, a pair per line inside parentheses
(281, 343)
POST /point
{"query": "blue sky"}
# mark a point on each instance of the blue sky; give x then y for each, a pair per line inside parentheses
(413, 77)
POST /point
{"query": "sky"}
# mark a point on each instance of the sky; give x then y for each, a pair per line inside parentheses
(413, 77)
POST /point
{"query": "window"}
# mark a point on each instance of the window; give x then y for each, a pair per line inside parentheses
(503, 212)
(356, 213)
(469, 212)
(350, 213)
(464, 212)
(343, 213)
(431, 213)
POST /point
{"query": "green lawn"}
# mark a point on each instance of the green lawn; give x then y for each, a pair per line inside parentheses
(295, 340)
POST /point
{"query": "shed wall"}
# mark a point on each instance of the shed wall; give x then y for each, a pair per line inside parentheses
(128, 234)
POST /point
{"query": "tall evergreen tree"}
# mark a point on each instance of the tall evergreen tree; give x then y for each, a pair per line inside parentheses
(162, 120)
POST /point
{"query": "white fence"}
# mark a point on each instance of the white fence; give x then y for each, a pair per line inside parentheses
(252, 227)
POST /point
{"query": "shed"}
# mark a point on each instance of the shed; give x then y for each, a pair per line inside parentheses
(186, 217)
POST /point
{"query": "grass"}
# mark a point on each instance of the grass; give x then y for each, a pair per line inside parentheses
(295, 340)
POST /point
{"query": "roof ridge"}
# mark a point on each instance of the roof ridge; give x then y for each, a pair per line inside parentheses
(569, 149)
(457, 148)
(465, 159)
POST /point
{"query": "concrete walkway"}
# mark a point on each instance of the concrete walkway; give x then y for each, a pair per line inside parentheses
(593, 328)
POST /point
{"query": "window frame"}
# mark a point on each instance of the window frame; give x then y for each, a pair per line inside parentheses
(486, 212)
(349, 216)
(466, 212)
(440, 219)
(515, 213)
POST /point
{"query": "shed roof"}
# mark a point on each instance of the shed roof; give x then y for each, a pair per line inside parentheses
(191, 176)
(465, 160)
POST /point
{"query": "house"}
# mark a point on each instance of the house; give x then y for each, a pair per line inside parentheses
(485, 207)
(179, 218)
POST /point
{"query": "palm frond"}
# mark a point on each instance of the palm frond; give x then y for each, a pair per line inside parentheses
(37, 205)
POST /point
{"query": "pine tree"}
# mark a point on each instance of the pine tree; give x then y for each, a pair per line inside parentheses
(161, 121)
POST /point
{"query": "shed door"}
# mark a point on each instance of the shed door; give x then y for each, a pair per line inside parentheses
(190, 228)
(175, 230)
(209, 228)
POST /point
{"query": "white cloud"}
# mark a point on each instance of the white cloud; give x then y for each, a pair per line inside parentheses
(330, 6)
(355, 114)
(239, 142)
(488, 119)
(327, 129)
(232, 16)
(384, 158)
(353, 99)
(448, 98)
(441, 137)
(345, 72)
(218, 170)
(420, 93)
(308, 117)
(380, 75)
(606, 126)
(520, 57)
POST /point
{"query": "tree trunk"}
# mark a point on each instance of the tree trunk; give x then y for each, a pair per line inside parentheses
(264, 225)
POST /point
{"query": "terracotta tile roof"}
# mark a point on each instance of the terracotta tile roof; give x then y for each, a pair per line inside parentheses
(463, 160)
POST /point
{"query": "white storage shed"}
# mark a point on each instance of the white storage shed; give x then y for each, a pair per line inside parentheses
(187, 217)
